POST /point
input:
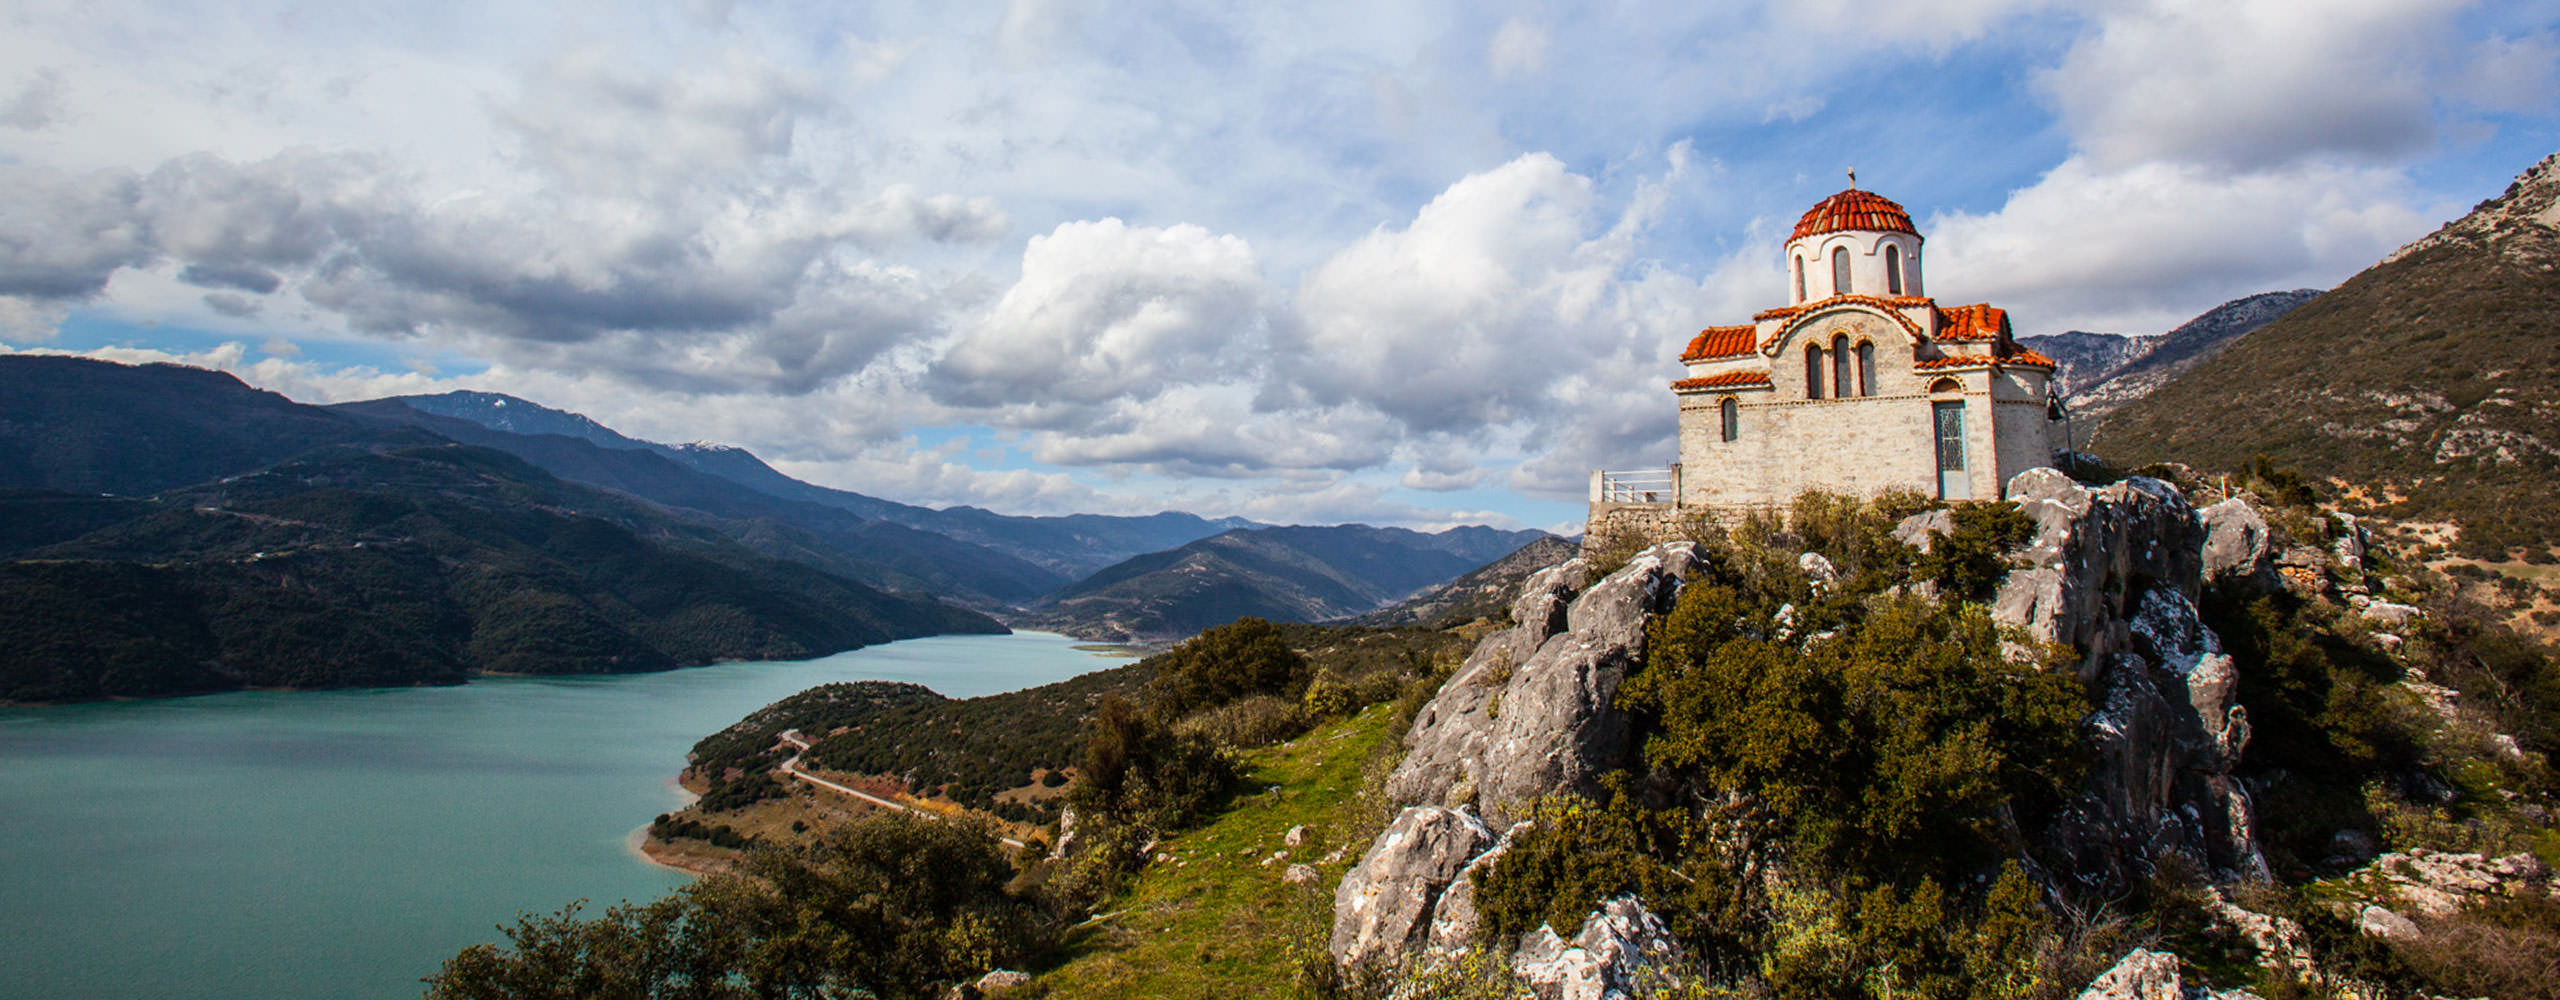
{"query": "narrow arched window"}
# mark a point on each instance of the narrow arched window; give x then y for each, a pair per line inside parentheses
(1730, 413)
(1893, 269)
(1867, 368)
(1843, 381)
(1812, 371)
(1840, 271)
(1799, 277)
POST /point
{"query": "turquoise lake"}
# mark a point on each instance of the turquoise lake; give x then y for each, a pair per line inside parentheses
(342, 844)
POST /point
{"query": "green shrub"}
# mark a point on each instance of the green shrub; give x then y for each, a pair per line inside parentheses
(1136, 770)
(893, 905)
(1895, 746)
(1245, 723)
(1579, 853)
(1246, 657)
(1969, 562)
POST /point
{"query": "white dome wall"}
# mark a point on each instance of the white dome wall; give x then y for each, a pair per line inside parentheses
(1866, 263)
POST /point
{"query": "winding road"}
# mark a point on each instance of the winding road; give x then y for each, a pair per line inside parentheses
(793, 739)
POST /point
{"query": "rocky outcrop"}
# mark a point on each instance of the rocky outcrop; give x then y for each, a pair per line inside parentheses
(1384, 906)
(1449, 735)
(2116, 572)
(2382, 897)
(2094, 555)
(1621, 946)
(1532, 713)
(1455, 922)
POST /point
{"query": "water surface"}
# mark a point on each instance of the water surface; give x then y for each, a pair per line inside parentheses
(341, 844)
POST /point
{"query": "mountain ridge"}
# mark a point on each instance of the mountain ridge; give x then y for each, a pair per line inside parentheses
(1070, 546)
(1284, 574)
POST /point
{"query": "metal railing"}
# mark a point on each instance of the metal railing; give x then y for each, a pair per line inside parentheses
(1636, 486)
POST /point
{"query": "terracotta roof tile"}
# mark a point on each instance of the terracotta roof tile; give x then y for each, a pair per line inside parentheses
(1980, 321)
(1853, 209)
(1719, 342)
(2020, 358)
(1891, 307)
(1728, 380)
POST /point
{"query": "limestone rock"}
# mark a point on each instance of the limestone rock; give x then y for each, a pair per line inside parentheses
(2168, 735)
(1522, 718)
(2142, 974)
(1449, 734)
(1299, 874)
(2239, 548)
(1921, 530)
(1384, 905)
(2374, 921)
(2280, 943)
(1455, 921)
(2389, 615)
(2094, 552)
(1070, 842)
(1617, 947)
(1297, 835)
(2436, 884)
(1002, 979)
(1819, 570)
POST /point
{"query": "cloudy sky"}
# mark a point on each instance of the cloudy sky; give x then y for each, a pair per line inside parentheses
(1414, 264)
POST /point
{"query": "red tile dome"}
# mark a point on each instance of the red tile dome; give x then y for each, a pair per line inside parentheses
(1854, 209)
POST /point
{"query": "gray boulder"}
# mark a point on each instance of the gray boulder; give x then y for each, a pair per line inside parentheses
(1619, 947)
(1384, 906)
(1921, 530)
(2142, 974)
(2239, 548)
(1530, 714)
(1455, 921)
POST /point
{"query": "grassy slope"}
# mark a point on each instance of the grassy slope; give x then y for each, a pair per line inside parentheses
(1217, 923)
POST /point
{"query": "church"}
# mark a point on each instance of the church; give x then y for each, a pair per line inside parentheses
(1860, 384)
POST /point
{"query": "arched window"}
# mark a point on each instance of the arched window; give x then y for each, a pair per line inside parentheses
(1840, 271)
(1893, 269)
(1730, 413)
(1799, 277)
(1866, 368)
(1844, 381)
(1813, 371)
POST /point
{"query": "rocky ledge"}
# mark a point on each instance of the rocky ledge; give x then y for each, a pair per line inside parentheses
(2113, 576)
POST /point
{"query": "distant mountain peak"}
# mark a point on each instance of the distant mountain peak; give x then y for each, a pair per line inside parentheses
(499, 411)
(2163, 357)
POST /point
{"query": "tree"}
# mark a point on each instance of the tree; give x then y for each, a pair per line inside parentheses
(1245, 657)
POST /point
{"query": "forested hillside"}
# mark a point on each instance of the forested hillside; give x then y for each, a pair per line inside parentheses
(316, 550)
